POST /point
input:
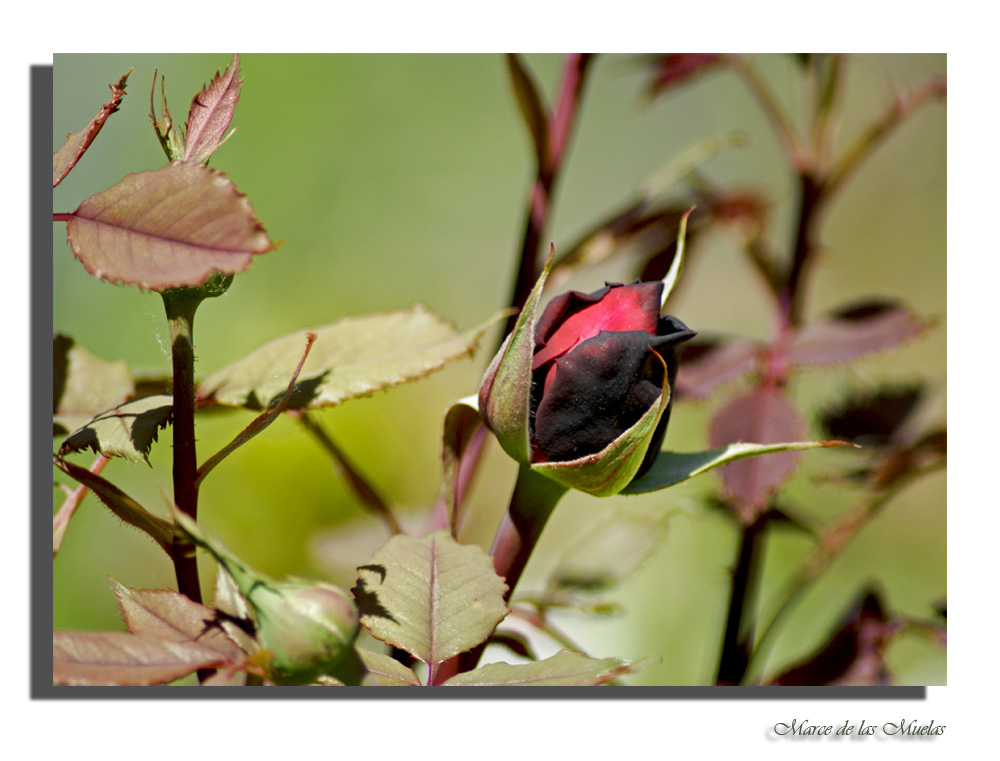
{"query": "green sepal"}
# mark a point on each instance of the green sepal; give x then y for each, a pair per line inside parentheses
(505, 393)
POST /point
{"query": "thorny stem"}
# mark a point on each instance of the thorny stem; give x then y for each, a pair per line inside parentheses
(180, 306)
(561, 125)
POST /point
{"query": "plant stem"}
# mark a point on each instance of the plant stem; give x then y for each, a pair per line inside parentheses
(735, 654)
(180, 305)
(561, 124)
(832, 543)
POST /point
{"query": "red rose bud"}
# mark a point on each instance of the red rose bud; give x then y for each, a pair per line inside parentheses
(583, 397)
(598, 366)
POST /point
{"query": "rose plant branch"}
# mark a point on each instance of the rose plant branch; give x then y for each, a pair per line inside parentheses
(552, 132)
(180, 305)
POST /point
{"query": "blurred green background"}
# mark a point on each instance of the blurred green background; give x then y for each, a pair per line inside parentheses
(392, 179)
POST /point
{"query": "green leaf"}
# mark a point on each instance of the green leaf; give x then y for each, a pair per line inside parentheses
(564, 669)
(386, 671)
(673, 467)
(128, 430)
(83, 385)
(350, 358)
(167, 228)
(431, 597)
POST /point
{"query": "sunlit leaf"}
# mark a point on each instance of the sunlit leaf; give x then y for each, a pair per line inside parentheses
(167, 228)
(860, 329)
(431, 597)
(211, 113)
(385, 671)
(763, 415)
(76, 144)
(118, 658)
(564, 669)
(350, 358)
(128, 430)
(83, 385)
(169, 615)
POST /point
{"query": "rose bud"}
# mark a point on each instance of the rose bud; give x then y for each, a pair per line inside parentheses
(583, 397)
(308, 627)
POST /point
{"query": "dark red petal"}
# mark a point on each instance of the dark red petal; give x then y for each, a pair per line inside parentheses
(620, 308)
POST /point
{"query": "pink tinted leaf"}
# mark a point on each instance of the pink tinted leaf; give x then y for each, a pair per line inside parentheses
(865, 328)
(77, 144)
(705, 367)
(170, 616)
(167, 228)
(671, 69)
(764, 415)
(211, 113)
(117, 658)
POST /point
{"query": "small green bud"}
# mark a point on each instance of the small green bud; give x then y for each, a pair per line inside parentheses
(309, 628)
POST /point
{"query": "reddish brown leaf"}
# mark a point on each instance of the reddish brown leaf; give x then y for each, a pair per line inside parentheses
(704, 367)
(77, 144)
(211, 113)
(170, 616)
(117, 658)
(766, 416)
(854, 655)
(864, 328)
(167, 228)
(672, 69)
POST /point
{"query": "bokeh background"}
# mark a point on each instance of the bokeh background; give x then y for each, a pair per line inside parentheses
(394, 179)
